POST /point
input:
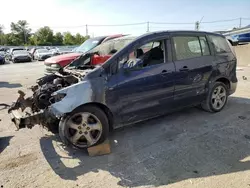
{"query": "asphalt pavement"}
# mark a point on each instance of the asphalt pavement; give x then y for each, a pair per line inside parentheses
(190, 148)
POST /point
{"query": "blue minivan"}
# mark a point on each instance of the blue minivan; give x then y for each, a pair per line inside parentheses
(243, 37)
(154, 74)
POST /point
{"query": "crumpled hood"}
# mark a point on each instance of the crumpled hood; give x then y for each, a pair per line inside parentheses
(64, 57)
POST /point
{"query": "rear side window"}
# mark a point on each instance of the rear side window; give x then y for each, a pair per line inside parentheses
(220, 44)
(187, 47)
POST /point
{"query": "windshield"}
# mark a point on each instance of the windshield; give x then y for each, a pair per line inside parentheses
(42, 51)
(20, 52)
(108, 48)
(88, 45)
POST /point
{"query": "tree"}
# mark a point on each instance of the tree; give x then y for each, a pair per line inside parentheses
(2, 37)
(11, 39)
(79, 39)
(44, 36)
(58, 39)
(69, 39)
(21, 30)
(1, 29)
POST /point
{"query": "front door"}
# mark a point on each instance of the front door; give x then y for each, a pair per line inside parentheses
(144, 85)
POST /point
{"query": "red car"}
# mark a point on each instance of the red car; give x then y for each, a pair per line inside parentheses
(53, 64)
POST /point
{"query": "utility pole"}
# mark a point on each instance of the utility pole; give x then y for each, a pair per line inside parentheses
(240, 23)
(87, 30)
(25, 40)
(147, 26)
(197, 26)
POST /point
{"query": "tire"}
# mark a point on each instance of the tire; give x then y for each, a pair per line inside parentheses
(65, 131)
(207, 105)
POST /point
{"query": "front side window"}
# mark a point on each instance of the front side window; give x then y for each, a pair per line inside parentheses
(220, 44)
(187, 47)
(144, 56)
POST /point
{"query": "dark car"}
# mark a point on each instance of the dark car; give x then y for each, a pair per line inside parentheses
(243, 37)
(155, 74)
(9, 54)
(20, 56)
(2, 57)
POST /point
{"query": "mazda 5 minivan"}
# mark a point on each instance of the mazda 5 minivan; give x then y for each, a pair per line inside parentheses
(154, 74)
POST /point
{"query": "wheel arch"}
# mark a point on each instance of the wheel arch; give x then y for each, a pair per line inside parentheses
(225, 81)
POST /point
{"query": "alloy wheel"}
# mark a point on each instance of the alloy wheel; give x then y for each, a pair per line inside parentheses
(83, 129)
(219, 97)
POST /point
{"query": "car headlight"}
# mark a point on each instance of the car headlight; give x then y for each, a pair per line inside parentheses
(55, 66)
(56, 97)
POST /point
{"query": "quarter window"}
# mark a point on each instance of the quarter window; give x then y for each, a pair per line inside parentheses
(220, 44)
(204, 46)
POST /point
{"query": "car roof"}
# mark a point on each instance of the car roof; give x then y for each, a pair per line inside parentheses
(179, 32)
(127, 37)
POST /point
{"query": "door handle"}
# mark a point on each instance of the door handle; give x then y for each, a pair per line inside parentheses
(183, 69)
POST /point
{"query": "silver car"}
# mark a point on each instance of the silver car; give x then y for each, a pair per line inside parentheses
(42, 54)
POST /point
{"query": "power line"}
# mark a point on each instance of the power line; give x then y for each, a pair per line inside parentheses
(113, 25)
(163, 23)
(217, 21)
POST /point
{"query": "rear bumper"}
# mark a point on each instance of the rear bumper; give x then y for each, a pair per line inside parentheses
(233, 87)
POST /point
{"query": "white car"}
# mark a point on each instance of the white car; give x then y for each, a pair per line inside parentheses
(42, 54)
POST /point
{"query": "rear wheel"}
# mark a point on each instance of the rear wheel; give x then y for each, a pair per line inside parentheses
(217, 98)
(84, 127)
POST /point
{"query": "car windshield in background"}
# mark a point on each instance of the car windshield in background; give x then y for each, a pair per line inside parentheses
(42, 51)
(88, 45)
(17, 52)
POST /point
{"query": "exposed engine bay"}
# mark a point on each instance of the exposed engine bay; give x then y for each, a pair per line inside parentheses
(29, 111)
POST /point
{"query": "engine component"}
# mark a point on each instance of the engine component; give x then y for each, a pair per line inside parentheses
(43, 94)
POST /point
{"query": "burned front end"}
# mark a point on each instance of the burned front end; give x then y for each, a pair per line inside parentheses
(38, 108)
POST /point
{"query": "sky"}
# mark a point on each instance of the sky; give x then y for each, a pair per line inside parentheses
(73, 15)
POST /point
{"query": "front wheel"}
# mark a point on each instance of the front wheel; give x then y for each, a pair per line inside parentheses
(84, 127)
(217, 98)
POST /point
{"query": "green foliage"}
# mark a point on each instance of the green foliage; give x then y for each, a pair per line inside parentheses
(69, 39)
(21, 35)
(79, 39)
(21, 31)
(44, 36)
(58, 39)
